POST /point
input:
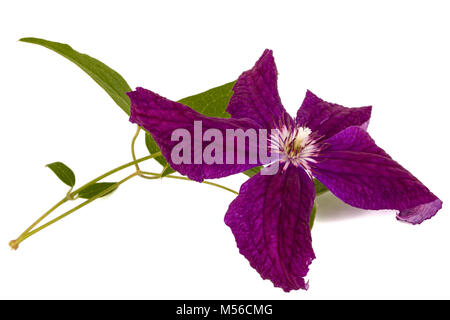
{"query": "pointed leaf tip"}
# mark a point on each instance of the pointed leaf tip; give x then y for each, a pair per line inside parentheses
(63, 172)
(111, 81)
(95, 189)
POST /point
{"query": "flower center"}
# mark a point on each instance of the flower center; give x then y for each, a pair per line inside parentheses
(295, 145)
(297, 141)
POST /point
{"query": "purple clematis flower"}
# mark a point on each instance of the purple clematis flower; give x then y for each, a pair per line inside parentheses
(270, 216)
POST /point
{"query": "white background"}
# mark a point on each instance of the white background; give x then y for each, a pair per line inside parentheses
(167, 239)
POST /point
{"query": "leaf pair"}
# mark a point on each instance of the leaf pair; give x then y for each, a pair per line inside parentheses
(66, 175)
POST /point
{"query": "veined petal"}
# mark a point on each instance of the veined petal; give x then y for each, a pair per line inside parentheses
(161, 117)
(363, 175)
(270, 221)
(256, 94)
(328, 119)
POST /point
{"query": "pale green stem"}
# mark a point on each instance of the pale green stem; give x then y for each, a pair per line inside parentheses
(124, 166)
(44, 215)
(101, 194)
(158, 175)
(70, 196)
(133, 142)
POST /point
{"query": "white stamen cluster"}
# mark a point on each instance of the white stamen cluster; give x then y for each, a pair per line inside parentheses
(294, 146)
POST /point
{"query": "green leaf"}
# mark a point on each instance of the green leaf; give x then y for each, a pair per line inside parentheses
(251, 172)
(313, 216)
(211, 103)
(320, 188)
(107, 78)
(96, 188)
(63, 172)
(112, 82)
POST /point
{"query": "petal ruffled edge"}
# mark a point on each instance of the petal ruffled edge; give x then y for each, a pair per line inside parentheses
(363, 175)
(270, 221)
(421, 212)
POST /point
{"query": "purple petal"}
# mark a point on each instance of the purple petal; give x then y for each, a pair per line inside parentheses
(420, 213)
(270, 221)
(328, 119)
(256, 94)
(363, 175)
(161, 117)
